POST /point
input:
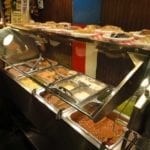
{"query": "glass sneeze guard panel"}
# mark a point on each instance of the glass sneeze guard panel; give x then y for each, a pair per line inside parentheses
(17, 46)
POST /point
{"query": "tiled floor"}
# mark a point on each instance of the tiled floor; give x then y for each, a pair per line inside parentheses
(11, 138)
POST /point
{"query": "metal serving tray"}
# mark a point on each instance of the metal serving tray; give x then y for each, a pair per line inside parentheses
(46, 76)
(28, 84)
(16, 71)
(80, 87)
(52, 101)
(89, 82)
(41, 63)
(63, 71)
(52, 75)
(30, 66)
(91, 107)
(73, 116)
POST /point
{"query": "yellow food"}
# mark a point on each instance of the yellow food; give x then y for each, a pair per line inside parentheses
(29, 84)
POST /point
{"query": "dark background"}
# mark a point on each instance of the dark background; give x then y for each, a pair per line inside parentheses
(128, 14)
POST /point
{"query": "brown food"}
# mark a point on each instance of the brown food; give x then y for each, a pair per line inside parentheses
(145, 32)
(48, 76)
(49, 23)
(111, 28)
(51, 26)
(62, 70)
(42, 64)
(106, 130)
(57, 102)
(143, 41)
(23, 68)
(63, 25)
(75, 27)
(92, 27)
(14, 72)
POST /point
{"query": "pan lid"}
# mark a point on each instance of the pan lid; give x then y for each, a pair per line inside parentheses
(17, 46)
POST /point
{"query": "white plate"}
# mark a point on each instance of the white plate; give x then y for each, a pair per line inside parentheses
(51, 30)
(103, 32)
(57, 30)
(108, 37)
(137, 34)
(82, 35)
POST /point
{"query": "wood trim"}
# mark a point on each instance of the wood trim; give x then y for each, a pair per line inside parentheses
(128, 14)
(56, 10)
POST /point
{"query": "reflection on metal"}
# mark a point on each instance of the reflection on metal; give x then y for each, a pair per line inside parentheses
(8, 39)
(141, 102)
(145, 82)
(54, 43)
(135, 58)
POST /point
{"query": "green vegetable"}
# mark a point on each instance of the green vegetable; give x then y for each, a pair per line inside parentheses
(127, 107)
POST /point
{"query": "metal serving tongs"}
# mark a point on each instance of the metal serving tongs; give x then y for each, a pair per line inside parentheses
(130, 141)
(20, 71)
(13, 66)
(60, 88)
(49, 62)
(36, 63)
(61, 91)
(66, 91)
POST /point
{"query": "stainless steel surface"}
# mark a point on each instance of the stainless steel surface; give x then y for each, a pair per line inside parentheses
(80, 89)
(50, 106)
(28, 84)
(83, 132)
(40, 63)
(46, 77)
(64, 72)
(33, 64)
(16, 70)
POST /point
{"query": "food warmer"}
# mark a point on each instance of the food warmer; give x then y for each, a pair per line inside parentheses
(74, 110)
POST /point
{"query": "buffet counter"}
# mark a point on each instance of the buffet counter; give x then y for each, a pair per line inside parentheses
(76, 110)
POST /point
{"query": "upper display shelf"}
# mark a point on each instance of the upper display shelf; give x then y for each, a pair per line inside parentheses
(137, 41)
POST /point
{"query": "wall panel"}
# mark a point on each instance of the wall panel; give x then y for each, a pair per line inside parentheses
(56, 10)
(129, 14)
